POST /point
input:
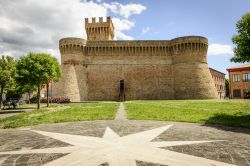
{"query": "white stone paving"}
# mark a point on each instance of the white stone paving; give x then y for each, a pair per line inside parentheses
(2, 160)
(120, 151)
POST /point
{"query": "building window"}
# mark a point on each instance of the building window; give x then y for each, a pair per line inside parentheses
(246, 93)
(236, 77)
(236, 93)
(246, 77)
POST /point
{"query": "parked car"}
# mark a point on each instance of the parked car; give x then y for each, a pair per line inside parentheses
(20, 102)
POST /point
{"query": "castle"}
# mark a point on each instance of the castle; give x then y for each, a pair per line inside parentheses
(101, 68)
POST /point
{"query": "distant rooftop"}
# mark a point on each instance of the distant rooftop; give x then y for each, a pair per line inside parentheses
(241, 66)
(216, 70)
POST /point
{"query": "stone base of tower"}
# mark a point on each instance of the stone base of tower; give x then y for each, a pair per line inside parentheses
(194, 81)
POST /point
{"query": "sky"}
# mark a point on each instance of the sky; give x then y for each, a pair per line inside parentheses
(37, 26)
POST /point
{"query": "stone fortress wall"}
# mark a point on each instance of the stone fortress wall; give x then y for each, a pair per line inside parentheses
(151, 69)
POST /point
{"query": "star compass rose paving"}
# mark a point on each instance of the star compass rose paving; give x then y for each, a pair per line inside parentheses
(119, 151)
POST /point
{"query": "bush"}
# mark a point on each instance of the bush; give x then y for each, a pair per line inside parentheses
(13, 94)
(56, 99)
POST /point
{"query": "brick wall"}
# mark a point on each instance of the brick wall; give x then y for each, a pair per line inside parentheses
(240, 85)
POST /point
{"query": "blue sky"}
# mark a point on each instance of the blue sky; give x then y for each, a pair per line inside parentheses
(214, 19)
(37, 26)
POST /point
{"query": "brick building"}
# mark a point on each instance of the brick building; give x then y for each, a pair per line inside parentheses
(219, 82)
(239, 80)
(101, 68)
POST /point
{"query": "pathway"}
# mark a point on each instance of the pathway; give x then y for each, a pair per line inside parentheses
(121, 113)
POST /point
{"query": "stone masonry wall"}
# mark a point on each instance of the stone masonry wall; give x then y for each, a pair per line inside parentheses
(73, 82)
(142, 79)
(175, 69)
(192, 78)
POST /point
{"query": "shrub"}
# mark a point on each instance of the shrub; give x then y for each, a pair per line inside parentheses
(13, 94)
(56, 99)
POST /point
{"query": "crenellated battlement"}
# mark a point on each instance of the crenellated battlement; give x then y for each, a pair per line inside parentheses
(101, 22)
(128, 48)
(72, 49)
(68, 45)
(138, 48)
(99, 30)
(190, 43)
(147, 47)
(72, 41)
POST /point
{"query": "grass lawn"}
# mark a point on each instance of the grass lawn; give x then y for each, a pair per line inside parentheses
(223, 112)
(62, 113)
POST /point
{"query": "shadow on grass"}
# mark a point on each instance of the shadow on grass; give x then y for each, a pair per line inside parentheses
(15, 110)
(235, 123)
(10, 111)
(83, 102)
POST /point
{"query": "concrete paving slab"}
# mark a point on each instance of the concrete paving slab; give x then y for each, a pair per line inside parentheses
(121, 113)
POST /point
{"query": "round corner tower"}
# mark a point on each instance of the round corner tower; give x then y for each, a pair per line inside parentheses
(192, 78)
(72, 56)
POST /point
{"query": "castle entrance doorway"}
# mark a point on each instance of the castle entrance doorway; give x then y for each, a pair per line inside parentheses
(122, 91)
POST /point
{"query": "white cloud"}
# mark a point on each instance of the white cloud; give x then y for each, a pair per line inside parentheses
(30, 25)
(7, 53)
(145, 30)
(125, 10)
(220, 49)
(121, 35)
(37, 26)
(122, 25)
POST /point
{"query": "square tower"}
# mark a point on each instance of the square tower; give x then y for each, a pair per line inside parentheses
(99, 30)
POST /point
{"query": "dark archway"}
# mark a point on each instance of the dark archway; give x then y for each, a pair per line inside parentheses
(122, 91)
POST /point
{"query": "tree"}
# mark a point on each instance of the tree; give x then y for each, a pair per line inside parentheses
(13, 93)
(242, 40)
(53, 76)
(28, 89)
(7, 74)
(37, 69)
(227, 87)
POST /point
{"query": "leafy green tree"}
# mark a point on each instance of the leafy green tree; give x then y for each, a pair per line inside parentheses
(13, 93)
(242, 40)
(37, 69)
(7, 74)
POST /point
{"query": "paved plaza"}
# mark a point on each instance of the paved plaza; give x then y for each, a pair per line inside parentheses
(124, 142)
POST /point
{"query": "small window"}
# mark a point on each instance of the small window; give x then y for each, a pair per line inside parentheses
(246, 93)
(236, 93)
(236, 77)
(246, 77)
